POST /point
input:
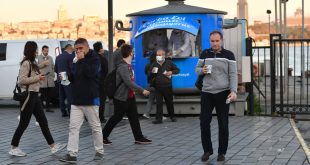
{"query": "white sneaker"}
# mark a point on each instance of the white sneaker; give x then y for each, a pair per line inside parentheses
(146, 116)
(164, 118)
(58, 147)
(37, 124)
(17, 152)
(125, 118)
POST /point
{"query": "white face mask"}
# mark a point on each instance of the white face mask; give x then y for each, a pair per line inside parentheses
(159, 58)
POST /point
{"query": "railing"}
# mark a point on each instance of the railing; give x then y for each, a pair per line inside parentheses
(281, 76)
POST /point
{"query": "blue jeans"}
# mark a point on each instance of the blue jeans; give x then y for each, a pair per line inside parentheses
(208, 102)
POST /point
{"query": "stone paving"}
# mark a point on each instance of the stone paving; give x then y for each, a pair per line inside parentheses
(253, 140)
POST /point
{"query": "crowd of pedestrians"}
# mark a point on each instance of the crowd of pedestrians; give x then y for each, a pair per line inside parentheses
(81, 73)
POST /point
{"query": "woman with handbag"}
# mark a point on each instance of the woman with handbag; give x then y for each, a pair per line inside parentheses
(29, 78)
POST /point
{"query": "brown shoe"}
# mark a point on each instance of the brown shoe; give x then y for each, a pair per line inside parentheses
(205, 157)
(221, 157)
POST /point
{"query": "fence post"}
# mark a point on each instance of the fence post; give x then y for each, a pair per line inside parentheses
(250, 85)
(272, 74)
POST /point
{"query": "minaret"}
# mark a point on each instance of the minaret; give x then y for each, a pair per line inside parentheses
(242, 9)
(62, 13)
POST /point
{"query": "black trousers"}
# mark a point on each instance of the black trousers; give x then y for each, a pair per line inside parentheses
(46, 96)
(120, 108)
(208, 102)
(65, 93)
(166, 93)
(34, 107)
(103, 97)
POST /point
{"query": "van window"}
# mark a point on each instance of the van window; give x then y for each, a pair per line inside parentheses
(3, 51)
(64, 43)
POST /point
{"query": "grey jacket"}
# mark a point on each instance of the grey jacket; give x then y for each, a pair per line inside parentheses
(49, 79)
(23, 80)
(123, 76)
(223, 74)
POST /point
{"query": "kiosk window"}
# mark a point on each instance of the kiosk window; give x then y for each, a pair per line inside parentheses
(177, 43)
(3, 51)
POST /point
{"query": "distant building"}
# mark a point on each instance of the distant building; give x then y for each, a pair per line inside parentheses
(242, 9)
(62, 13)
(297, 19)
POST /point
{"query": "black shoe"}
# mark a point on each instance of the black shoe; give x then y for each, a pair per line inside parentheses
(173, 119)
(98, 156)
(143, 141)
(65, 115)
(157, 122)
(68, 158)
(221, 157)
(205, 156)
(49, 110)
(106, 141)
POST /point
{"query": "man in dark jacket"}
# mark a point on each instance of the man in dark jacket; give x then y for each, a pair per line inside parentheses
(117, 56)
(85, 99)
(63, 63)
(161, 72)
(103, 73)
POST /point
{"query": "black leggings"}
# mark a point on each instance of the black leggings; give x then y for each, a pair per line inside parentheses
(33, 107)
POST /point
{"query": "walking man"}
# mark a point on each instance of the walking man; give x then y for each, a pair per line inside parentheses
(219, 89)
(124, 99)
(85, 99)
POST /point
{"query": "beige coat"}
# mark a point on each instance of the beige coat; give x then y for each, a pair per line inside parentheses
(45, 68)
(23, 80)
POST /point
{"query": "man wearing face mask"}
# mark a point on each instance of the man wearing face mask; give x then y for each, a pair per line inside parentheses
(161, 71)
(179, 44)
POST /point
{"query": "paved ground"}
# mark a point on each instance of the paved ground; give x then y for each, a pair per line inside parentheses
(253, 140)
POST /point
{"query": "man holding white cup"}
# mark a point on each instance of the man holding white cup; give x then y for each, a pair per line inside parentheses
(161, 72)
(218, 66)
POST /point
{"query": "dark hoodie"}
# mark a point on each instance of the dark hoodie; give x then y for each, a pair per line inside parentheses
(85, 80)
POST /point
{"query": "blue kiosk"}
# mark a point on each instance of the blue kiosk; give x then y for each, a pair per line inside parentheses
(196, 21)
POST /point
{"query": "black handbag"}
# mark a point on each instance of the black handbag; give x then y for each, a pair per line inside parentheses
(18, 95)
(199, 82)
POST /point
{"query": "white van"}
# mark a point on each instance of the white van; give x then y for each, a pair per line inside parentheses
(11, 54)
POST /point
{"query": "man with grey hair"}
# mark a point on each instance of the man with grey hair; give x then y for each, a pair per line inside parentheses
(161, 72)
(218, 66)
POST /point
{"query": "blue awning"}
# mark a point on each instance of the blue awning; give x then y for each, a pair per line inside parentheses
(170, 22)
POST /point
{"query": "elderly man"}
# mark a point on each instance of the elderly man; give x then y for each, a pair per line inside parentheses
(161, 72)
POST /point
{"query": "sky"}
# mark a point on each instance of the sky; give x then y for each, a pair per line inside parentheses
(39, 10)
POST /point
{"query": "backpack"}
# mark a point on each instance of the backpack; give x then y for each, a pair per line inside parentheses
(110, 86)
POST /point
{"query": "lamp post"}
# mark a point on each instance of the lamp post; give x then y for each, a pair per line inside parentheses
(268, 12)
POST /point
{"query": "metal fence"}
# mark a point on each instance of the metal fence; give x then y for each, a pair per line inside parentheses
(280, 76)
